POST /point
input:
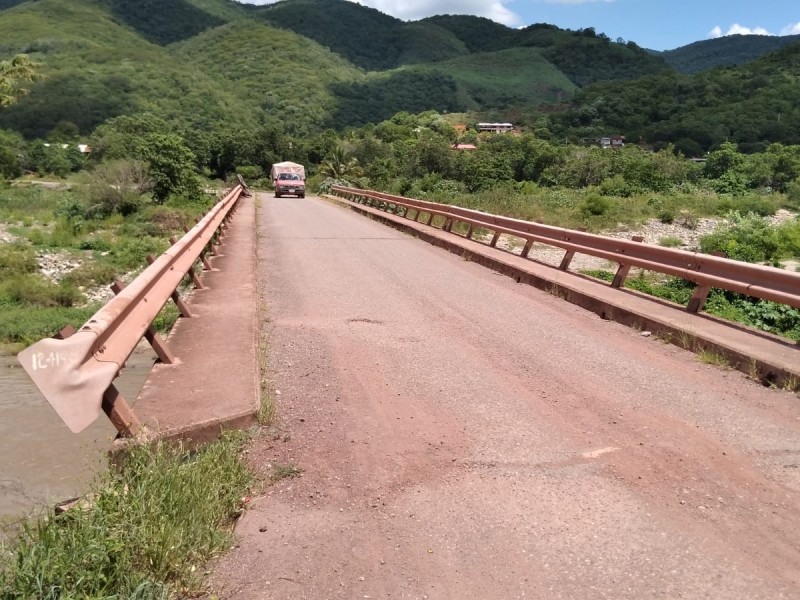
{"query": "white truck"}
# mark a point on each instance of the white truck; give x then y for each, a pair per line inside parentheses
(288, 178)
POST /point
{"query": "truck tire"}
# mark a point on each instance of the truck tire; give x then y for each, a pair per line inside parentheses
(302, 195)
(277, 195)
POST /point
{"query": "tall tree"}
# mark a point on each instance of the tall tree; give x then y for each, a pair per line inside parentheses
(14, 74)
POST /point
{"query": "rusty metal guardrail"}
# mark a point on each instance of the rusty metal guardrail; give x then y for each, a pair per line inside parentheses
(75, 371)
(707, 271)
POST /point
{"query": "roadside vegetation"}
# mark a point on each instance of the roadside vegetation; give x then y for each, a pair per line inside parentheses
(146, 531)
(86, 243)
(141, 184)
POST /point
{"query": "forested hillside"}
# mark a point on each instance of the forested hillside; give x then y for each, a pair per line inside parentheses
(375, 41)
(753, 105)
(725, 51)
(97, 68)
(291, 79)
(306, 65)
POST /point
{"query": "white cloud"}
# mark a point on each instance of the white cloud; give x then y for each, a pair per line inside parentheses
(576, 1)
(411, 10)
(737, 29)
(791, 29)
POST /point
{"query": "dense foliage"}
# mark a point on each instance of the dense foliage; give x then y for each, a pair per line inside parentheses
(726, 51)
(14, 74)
(298, 65)
(752, 105)
(164, 22)
(365, 36)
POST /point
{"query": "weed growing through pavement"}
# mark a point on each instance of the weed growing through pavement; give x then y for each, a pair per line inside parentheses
(753, 372)
(280, 472)
(665, 337)
(556, 290)
(685, 341)
(792, 384)
(710, 357)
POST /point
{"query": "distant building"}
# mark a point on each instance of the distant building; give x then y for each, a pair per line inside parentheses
(616, 141)
(464, 147)
(496, 127)
(82, 148)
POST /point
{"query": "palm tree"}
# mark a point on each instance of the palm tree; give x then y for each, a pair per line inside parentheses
(13, 73)
(341, 166)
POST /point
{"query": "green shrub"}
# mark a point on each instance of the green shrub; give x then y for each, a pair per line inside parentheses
(31, 289)
(757, 205)
(131, 253)
(793, 194)
(16, 259)
(250, 172)
(666, 215)
(670, 242)
(91, 274)
(595, 205)
(21, 326)
(70, 208)
(789, 239)
(616, 186)
(99, 244)
(748, 238)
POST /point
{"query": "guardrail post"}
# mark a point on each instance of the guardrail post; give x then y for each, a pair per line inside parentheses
(430, 219)
(623, 270)
(202, 258)
(120, 413)
(526, 248)
(158, 345)
(701, 292)
(565, 262)
(495, 237)
(470, 230)
(176, 297)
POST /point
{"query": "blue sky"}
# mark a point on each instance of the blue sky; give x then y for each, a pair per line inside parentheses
(655, 24)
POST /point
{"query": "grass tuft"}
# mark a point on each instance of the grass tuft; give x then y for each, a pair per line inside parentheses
(710, 357)
(152, 523)
(280, 472)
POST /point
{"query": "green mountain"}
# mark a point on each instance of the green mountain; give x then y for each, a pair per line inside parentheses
(307, 65)
(287, 78)
(364, 36)
(97, 68)
(751, 104)
(378, 42)
(725, 51)
(303, 64)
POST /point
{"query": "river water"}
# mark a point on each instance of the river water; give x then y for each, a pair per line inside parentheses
(41, 461)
